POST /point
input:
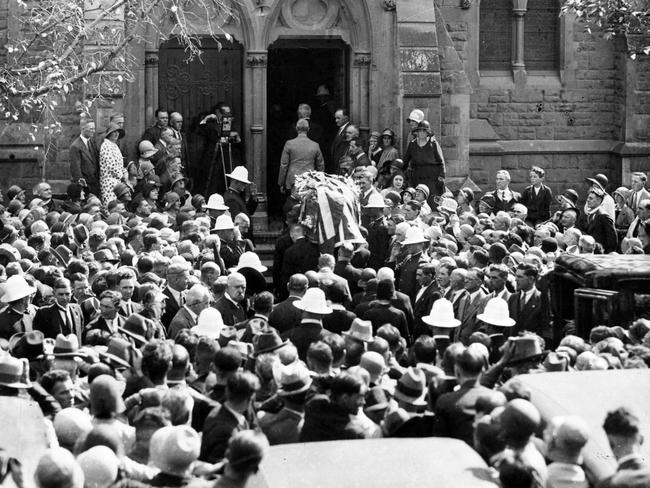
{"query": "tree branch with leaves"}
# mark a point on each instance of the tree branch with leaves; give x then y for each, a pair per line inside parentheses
(627, 19)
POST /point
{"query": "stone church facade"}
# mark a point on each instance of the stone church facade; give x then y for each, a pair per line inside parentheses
(505, 84)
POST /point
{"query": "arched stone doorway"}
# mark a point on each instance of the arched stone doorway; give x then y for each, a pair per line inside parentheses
(346, 20)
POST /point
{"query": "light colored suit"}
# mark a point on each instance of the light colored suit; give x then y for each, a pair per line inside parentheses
(635, 198)
(468, 322)
(299, 155)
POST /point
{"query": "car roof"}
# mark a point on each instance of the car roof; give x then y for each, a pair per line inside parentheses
(376, 463)
(590, 395)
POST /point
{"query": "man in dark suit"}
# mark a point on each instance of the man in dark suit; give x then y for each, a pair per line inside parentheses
(526, 306)
(176, 123)
(340, 143)
(427, 293)
(475, 304)
(623, 430)
(177, 279)
(229, 418)
(406, 271)
(127, 289)
(230, 304)
(382, 312)
(108, 322)
(84, 158)
(284, 315)
(62, 317)
(197, 299)
(496, 281)
(152, 134)
(315, 132)
(537, 197)
(504, 197)
(597, 223)
(455, 411)
(301, 256)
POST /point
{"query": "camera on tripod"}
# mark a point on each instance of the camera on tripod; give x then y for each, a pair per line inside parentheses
(225, 129)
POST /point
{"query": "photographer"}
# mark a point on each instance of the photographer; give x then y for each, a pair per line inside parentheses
(222, 150)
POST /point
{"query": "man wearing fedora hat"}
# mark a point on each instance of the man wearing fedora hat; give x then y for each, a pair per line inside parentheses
(455, 411)
(313, 305)
(16, 317)
(62, 317)
(284, 427)
(177, 278)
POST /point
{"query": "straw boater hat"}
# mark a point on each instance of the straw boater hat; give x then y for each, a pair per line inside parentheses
(361, 330)
(313, 301)
(442, 315)
(240, 173)
(16, 287)
(496, 313)
(216, 202)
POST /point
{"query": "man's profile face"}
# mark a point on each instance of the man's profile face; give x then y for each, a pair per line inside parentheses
(119, 121)
(349, 135)
(63, 393)
(443, 277)
(339, 118)
(80, 288)
(568, 219)
(637, 184)
(176, 122)
(45, 191)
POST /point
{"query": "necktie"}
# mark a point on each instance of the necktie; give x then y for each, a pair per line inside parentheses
(182, 298)
(503, 195)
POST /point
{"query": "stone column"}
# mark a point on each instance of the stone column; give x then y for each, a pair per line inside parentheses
(150, 85)
(361, 91)
(419, 63)
(518, 65)
(255, 98)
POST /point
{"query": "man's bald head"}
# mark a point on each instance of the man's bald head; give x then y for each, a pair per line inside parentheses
(298, 284)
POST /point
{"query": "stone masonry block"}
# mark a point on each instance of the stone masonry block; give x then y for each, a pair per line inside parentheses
(421, 84)
(419, 60)
(451, 115)
(415, 11)
(417, 35)
(503, 97)
(528, 96)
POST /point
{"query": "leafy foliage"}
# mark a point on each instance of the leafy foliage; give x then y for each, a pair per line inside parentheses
(628, 19)
(81, 48)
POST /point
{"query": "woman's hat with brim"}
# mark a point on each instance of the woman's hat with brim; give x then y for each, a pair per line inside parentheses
(105, 255)
(112, 127)
(496, 313)
(146, 149)
(313, 301)
(10, 252)
(360, 330)
(240, 173)
(411, 388)
(442, 315)
(16, 288)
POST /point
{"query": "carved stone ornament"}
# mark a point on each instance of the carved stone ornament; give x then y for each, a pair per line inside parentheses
(362, 59)
(256, 60)
(465, 4)
(151, 58)
(310, 14)
(389, 5)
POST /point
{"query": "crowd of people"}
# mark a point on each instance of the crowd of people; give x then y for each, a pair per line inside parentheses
(139, 323)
